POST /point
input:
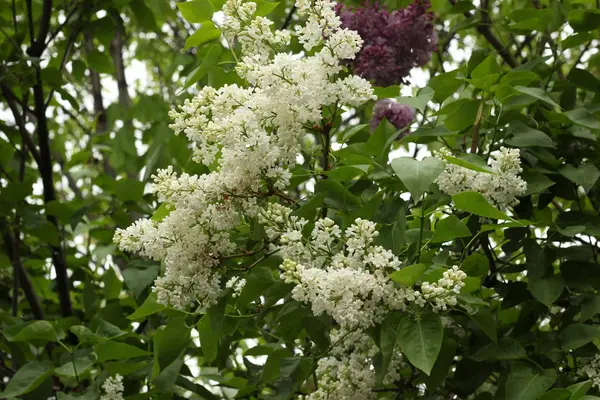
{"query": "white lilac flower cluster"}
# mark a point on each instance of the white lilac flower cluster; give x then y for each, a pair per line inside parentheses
(348, 373)
(113, 388)
(442, 293)
(236, 284)
(249, 136)
(592, 370)
(501, 187)
(345, 275)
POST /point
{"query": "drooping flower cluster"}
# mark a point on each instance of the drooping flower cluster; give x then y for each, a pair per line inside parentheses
(394, 43)
(249, 137)
(348, 373)
(399, 115)
(500, 187)
(113, 388)
(345, 275)
(592, 370)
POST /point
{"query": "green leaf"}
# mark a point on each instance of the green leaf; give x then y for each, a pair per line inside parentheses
(463, 115)
(525, 136)
(444, 85)
(170, 341)
(442, 365)
(584, 79)
(556, 394)
(112, 284)
(258, 280)
(538, 93)
(117, 351)
(421, 339)
(477, 165)
(449, 229)
(27, 378)
(73, 369)
(577, 335)
(100, 62)
(417, 176)
(337, 196)
(579, 389)
(536, 181)
(590, 306)
(205, 34)
(506, 349)
(476, 265)
(583, 117)
(351, 132)
(210, 60)
(486, 73)
(129, 189)
(582, 20)
(486, 322)
(419, 102)
(527, 382)
(138, 279)
(387, 92)
(162, 211)
(264, 8)
(475, 203)
(407, 276)
(196, 11)
(546, 290)
(168, 376)
(584, 175)
(387, 342)
(149, 307)
(38, 331)
(576, 40)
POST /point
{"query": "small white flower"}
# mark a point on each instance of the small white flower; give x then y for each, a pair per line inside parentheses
(113, 388)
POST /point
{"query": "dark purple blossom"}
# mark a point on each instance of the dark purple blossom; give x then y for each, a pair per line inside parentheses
(397, 114)
(394, 43)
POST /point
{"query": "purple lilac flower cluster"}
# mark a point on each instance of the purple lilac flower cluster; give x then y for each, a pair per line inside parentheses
(397, 114)
(394, 42)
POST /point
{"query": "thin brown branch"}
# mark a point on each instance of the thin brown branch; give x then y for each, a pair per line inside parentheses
(476, 127)
(20, 123)
(12, 251)
(116, 50)
(99, 110)
(45, 165)
(484, 29)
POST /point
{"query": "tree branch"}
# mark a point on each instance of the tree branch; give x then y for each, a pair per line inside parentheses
(45, 165)
(12, 250)
(116, 50)
(99, 110)
(27, 140)
(484, 29)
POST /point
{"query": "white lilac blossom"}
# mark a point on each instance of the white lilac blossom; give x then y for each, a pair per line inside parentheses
(592, 370)
(501, 187)
(348, 373)
(249, 137)
(345, 275)
(442, 293)
(236, 284)
(113, 388)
